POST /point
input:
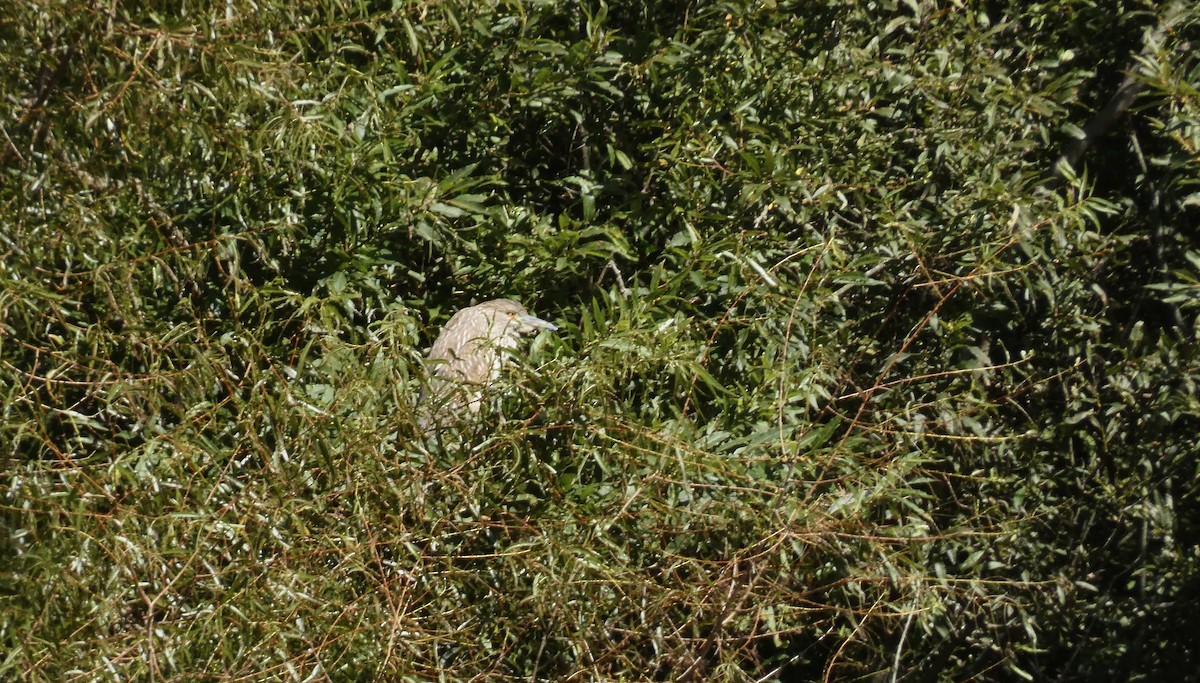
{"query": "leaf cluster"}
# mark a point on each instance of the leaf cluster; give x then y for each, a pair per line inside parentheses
(841, 389)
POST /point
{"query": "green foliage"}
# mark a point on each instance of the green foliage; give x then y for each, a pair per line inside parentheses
(840, 389)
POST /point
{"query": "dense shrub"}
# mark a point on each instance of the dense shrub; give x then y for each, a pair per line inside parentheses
(843, 387)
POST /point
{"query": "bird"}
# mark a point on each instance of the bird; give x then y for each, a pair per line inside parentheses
(467, 356)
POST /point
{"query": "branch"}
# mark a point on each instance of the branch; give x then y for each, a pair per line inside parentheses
(1112, 113)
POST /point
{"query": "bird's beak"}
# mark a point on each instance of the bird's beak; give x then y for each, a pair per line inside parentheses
(534, 321)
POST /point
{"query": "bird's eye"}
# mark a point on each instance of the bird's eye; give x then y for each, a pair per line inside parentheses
(512, 314)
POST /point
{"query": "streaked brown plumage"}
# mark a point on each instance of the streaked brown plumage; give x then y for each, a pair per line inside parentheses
(467, 356)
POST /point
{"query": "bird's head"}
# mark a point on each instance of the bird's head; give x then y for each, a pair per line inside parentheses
(514, 317)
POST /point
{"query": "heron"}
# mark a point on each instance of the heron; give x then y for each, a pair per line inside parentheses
(467, 356)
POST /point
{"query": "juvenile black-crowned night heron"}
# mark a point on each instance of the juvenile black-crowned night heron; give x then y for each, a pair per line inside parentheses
(467, 357)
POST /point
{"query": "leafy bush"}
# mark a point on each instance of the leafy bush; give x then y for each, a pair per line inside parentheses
(842, 388)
